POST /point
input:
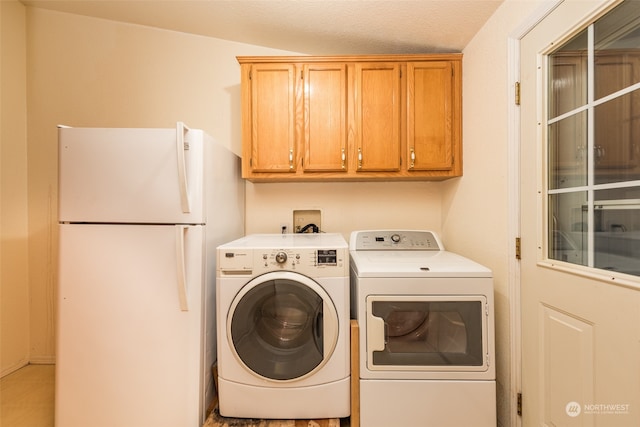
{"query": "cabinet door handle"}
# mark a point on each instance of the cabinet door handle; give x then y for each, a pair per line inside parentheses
(359, 158)
(413, 159)
(344, 158)
(290, 159)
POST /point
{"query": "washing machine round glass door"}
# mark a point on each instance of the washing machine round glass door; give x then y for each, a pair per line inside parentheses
(282, 326)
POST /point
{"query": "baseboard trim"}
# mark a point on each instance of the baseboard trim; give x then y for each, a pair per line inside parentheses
(43, 360)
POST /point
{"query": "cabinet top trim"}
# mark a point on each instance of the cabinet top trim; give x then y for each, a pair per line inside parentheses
(351, 58)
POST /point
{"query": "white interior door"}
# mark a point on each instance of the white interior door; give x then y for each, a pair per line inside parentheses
(580, 325)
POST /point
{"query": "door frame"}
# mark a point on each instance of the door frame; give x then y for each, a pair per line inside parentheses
(513, 173)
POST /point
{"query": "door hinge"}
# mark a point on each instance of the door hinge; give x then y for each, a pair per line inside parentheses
(517, 94)
(519, 404)
(518, 250)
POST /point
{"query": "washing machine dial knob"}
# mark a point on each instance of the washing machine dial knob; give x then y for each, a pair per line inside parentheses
(395, 238)
(281, 257)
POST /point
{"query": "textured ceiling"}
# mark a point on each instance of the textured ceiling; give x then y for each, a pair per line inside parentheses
(315, 27)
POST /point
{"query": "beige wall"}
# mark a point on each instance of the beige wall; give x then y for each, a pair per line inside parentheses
(475, 209)
(345, 207)
(14, 285)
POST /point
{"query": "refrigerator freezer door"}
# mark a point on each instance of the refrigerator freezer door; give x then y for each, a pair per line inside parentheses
(128, 354)
(132, 175)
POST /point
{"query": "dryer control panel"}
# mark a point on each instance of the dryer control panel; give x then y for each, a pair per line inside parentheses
(385, 240)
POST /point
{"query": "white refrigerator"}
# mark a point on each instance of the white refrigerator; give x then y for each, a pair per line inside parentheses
(141, 212)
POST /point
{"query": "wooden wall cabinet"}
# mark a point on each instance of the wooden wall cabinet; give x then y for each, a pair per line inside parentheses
(373, 117)
(377, 117)
(272, 118)
(324, 120)
(430, 116)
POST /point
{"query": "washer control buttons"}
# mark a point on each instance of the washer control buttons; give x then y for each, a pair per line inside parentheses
(281, 257)
(327, 257)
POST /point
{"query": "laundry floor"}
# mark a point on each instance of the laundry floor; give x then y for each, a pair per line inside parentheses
(27, 397)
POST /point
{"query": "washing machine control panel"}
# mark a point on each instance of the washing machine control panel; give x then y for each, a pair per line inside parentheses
(327, 262)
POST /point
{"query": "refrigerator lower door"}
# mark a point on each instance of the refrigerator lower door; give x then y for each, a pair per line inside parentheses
(129, 349)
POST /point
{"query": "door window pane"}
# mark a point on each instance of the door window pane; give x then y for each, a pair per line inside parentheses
(616, 144)
(568, 76)
(593, 144)
(616, 50)
(568, 226)
(617, 230)
(568, 152)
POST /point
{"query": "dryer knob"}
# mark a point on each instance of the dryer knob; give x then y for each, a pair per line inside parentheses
(395, 238)
(281, 257)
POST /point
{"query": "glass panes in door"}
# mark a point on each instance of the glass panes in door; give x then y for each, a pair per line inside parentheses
(593, 144)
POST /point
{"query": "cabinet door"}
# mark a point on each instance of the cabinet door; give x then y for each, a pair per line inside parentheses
(325, 133)
(377, 116)
(273, 118)
(430, 115)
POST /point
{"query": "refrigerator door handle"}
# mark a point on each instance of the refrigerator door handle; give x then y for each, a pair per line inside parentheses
(181, 147)
(181, 268)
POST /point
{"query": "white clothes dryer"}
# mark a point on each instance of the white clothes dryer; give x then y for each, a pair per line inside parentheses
(426, 323)
(283, 326)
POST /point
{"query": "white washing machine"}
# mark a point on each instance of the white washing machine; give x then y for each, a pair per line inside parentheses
(427, 343)
(283, 326)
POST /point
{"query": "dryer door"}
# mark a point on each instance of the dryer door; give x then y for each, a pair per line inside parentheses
(427, 333)
(282, 326)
